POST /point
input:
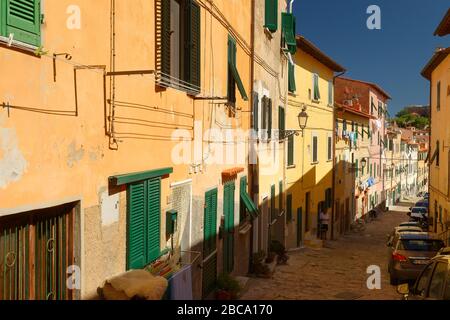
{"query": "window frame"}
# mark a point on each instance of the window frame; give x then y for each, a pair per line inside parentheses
(314, 160)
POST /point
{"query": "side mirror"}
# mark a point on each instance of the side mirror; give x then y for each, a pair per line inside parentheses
(403, 289)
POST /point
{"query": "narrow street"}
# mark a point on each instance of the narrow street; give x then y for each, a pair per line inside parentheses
(336, 271)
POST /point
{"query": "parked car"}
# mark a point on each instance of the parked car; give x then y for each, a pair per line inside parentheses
(432, 284)
(410, 224)
(409, 252)
(402, 229)
(422, 203)
(418, 213)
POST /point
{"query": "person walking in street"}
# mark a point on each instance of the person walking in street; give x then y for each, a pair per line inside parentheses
(324, 222)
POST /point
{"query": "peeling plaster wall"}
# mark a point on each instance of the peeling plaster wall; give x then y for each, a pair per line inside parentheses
(12, 162)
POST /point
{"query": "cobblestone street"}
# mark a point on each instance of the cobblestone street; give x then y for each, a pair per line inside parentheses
(336, 271)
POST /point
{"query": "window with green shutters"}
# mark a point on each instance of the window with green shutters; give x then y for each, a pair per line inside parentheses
(289, 208)
(281, 123)
(271, 15)
(144, 215)
(181, 71)
(330, 93)
(210, 223)
(272, 203)
(22, 19)
(255, 112)
(438, 96)
(316, 87)
(315, 146)
(290, 152)
(291, 78)
(234, 78)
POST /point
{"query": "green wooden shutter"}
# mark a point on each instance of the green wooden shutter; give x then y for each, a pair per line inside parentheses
(271, 15)
(210, 222)
(255, 111)
(281, 123)
(289, 207)
(290, 157)
(23, 19)
(314, 151)
(233, 72)
(192, 53)
(288, 28)
(357, 168)
(228, 241)
(153, 219)
(316, 86)
(136, 225)
(165, 39)
(291, 78)
(269, 126)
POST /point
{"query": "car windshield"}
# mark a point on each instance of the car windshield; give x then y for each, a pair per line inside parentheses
(419, 210)
(420, 245)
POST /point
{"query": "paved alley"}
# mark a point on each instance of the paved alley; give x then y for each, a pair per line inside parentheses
(337, 271)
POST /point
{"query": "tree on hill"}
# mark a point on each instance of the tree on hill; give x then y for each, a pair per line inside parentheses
(413, 117)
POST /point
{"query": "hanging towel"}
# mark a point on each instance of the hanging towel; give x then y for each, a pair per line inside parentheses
(180, 284)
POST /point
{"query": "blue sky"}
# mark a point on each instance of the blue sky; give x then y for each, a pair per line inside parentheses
(391, 57)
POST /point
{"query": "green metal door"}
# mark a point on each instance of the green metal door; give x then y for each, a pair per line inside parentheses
(299, 226)
(228, 240)
(209, 243)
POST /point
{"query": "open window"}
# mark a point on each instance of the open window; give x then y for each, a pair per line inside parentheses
(178, 45)
(234, 78)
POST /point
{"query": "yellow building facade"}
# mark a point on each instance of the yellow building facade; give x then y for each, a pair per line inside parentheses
(116, 118)
(437, 72)
(309, 160)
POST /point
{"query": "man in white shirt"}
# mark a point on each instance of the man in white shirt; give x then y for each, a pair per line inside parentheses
(324, 222)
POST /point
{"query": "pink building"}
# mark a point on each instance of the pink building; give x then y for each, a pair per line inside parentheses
(373, 99)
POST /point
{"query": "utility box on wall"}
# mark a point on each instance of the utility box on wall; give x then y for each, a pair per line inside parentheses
(171, 222)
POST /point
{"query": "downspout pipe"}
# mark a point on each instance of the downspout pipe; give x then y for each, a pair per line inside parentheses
(290, 5)
(333, 171)
(252, 167)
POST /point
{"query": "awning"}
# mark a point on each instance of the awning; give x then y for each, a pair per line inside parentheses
(249, 204)
(139, 176)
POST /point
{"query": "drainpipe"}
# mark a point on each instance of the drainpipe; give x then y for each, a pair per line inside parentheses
(290, 6)
(333, 171)
(252, 167)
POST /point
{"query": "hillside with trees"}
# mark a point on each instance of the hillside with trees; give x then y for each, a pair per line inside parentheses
(415, 116)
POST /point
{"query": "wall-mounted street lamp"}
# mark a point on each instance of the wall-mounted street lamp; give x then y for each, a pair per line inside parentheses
(302, 118)
(363, 164)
